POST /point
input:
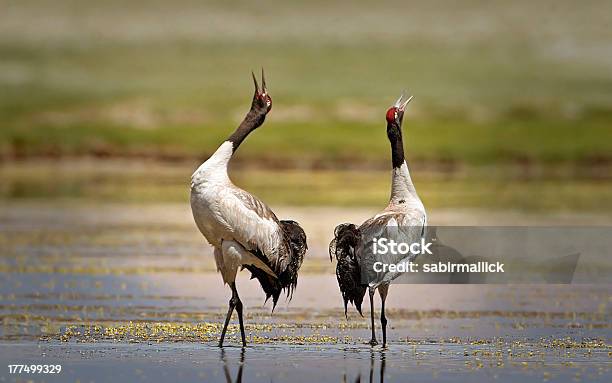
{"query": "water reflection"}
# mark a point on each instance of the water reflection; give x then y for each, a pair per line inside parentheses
(381, 367)
(226, 370)
(377, 364)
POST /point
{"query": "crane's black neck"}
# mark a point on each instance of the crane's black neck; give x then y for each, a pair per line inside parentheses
(394, 132)
(252, 121)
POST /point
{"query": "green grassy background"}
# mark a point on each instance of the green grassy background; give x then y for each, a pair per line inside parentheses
(506, 187)
(505, 91)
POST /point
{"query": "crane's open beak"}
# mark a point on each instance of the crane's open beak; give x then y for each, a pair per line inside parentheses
(264, 88)
(400, 104)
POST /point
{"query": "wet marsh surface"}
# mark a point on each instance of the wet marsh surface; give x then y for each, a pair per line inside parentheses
(132, 289)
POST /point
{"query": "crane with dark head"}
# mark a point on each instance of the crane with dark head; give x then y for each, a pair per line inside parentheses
(243, 230)
(404, 213)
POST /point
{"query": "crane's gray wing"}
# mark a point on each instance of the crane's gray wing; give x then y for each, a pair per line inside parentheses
(255, 226)
(401, 227)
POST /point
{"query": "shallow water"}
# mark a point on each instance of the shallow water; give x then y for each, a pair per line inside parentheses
(307, 363)
(133, 291)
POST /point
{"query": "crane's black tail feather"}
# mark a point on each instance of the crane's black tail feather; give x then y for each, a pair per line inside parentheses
(287, 279)
(348, 272)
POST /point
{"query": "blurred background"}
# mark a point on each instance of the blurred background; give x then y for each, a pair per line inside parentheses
(119, 102)
(106, 109)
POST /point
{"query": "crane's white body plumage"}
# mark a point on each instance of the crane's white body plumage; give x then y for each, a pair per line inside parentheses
(233, 221)
(404, 219)
(243, 230)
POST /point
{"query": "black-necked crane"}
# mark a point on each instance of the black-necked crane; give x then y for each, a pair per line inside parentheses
(405, 212)
(242, 229)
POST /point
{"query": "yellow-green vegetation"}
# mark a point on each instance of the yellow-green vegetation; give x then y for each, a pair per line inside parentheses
(506, 82)
(184, 332)
(136, 332)
(539, 188)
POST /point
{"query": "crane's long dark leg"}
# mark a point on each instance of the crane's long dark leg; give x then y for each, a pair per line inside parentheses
(239, 311)
(382, 290)
(373, 341)
(236, 303)
(232, 305)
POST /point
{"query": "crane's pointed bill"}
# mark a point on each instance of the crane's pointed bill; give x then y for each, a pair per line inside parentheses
(255, 82)
(263, 81)
(403, 106)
